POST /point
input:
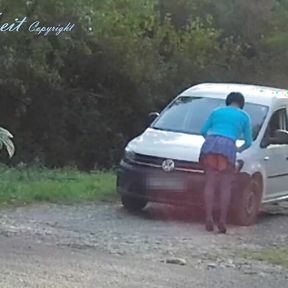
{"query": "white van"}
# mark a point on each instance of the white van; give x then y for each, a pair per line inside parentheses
(161, 165)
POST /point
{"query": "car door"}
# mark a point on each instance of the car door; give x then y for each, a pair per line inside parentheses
(275, 157)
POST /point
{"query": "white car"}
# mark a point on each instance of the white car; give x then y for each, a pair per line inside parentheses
(161, 165)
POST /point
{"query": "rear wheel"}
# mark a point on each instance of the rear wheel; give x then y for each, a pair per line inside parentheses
(247, 202)
(132, 203)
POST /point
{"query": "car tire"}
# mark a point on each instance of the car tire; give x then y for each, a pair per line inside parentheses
(133, 204)
(246, 203)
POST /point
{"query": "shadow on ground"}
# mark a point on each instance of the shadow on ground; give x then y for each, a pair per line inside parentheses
(190, 214)
(271, 212)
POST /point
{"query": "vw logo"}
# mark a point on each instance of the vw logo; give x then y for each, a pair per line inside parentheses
(168, 165)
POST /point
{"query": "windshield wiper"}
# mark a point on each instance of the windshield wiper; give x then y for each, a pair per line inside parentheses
(172, 130)
(157, 128)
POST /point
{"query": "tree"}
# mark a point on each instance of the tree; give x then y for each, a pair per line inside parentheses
(77, 98)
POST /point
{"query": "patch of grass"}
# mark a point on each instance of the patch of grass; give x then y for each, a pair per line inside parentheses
(20, 186)
(277, 256)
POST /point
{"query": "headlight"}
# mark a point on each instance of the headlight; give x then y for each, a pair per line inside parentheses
(239, 165)
(129, 155)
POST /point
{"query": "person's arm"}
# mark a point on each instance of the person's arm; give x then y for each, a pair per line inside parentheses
(207, 125)
(248, 137)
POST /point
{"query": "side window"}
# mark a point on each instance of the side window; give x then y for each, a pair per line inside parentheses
(279, 120)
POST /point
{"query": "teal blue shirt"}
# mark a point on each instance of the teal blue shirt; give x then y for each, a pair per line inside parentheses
(230, 122)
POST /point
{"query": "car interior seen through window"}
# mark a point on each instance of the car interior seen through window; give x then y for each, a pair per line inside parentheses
(278, 121)
(183, 116)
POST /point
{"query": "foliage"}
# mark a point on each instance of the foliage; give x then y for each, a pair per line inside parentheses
(5, 140)
(77, 98)
(22, 185)
(276, 255)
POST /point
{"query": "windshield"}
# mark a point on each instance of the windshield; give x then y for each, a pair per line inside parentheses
(187, 114)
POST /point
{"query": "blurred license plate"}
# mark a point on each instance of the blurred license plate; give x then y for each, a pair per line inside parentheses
(159, 183)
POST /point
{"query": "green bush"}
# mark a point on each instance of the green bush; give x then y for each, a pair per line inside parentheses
(77, 98)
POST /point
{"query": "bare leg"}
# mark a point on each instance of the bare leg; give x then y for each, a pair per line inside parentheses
(209, 197)
(225, 198)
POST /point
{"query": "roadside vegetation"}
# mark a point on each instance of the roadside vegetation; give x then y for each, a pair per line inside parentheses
(23, 185)
(276, 255)
(76, 99)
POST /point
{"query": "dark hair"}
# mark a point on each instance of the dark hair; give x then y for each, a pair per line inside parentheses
(237, 98)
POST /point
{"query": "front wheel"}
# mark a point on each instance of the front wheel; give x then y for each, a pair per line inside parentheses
(246, 204)
(133, 204)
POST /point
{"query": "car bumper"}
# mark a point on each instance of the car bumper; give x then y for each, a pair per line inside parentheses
(155, 185)
(158, 186)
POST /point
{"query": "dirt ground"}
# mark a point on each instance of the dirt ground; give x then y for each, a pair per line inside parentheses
(104, 246)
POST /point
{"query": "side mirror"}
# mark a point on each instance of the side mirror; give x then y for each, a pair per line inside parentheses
(153, 115)
(280, 138)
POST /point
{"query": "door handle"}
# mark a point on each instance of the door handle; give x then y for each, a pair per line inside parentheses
(266, 158)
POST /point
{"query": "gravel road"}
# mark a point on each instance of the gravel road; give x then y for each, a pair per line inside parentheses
(104, 246)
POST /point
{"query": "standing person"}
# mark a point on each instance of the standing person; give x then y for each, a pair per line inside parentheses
(224, 126)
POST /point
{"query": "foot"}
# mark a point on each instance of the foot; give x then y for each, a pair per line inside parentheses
(209, 225)
(222, 228)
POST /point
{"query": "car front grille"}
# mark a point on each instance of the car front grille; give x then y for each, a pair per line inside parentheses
(156, 162)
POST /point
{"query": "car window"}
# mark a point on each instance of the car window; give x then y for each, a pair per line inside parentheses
(187, 114)
(278, 121)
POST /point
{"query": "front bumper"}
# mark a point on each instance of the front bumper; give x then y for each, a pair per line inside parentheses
(156, 185)
(177, 187)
